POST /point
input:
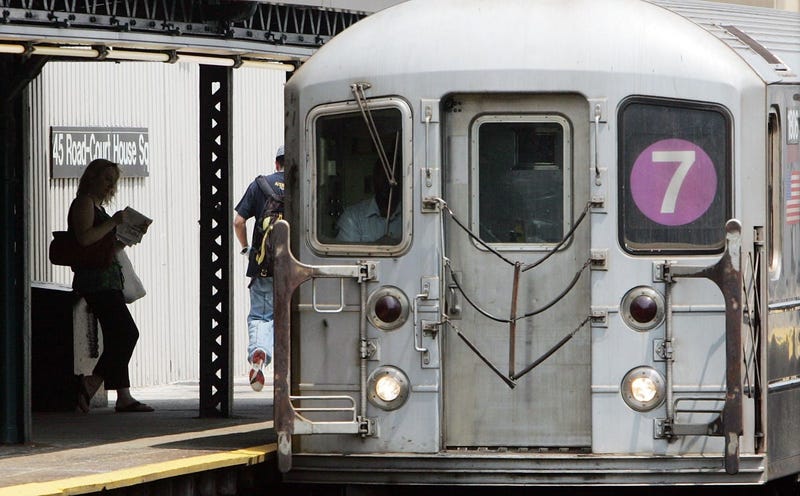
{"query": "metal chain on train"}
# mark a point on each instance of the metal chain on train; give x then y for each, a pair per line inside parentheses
(486, 314)
(512, 376)
(527, 267)
(448, 265)
(552, 350)
(511, 381)
(472, 235)
(563, 241)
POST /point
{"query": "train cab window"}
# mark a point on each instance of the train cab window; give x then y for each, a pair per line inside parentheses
(360, 193)
(521, 170)
(674, 176)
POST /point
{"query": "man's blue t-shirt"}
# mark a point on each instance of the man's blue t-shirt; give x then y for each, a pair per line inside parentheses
(251, 205)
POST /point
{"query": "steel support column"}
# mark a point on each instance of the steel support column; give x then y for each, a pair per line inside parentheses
(216, 295)
(15, 419)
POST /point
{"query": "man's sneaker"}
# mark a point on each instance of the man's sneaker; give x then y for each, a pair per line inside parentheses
(257, 370)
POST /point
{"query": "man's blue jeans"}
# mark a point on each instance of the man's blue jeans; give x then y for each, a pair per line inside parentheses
(260, 328)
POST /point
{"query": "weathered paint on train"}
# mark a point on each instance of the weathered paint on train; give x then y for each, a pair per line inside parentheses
(591, 274)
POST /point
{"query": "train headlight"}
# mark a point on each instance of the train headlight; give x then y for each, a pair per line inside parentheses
(643, 388)
(387, 388)
(642, 308)
(387, 308)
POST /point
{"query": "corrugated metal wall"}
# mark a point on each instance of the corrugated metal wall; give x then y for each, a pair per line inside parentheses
(164, 99)
(257, 132)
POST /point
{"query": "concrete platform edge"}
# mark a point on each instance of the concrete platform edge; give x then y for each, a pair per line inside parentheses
(142, 474)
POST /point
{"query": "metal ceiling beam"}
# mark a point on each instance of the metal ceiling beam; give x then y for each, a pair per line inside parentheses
(220, 26)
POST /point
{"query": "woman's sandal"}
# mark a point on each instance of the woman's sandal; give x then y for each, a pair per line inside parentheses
(136, 406)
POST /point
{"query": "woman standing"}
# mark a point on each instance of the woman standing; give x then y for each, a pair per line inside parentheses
(102, 288)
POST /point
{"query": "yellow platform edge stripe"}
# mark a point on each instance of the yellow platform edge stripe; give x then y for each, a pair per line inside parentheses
(142, 474)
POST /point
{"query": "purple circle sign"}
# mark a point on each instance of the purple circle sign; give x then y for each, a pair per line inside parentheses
(673, 182)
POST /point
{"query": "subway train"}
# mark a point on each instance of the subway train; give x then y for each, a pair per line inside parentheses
(543, 242)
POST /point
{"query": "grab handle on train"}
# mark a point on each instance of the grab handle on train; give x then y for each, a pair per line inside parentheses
(453, 302)
(327, 308)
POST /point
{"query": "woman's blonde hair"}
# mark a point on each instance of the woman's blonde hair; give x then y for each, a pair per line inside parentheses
(88, 182)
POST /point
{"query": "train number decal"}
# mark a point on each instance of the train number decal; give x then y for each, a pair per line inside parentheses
(673, 182)
(793, 125)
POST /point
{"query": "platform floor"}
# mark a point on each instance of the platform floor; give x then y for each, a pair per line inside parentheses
(72, 453)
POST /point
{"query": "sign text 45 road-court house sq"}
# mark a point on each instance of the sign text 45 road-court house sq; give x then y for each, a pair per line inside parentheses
(72, 148)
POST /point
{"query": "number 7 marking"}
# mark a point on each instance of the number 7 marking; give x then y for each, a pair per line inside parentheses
(686, 159)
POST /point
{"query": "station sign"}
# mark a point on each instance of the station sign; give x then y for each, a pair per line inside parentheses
(72, 148)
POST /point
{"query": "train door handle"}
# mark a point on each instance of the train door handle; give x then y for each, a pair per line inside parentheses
(453, 302)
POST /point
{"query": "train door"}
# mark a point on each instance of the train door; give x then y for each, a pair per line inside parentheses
(517, 176)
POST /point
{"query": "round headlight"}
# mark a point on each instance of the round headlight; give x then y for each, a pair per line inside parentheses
(387, 387)
(642, 308)
(387, 308)
(643, 389)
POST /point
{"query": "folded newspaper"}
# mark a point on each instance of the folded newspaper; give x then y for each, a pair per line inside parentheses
(131, 231)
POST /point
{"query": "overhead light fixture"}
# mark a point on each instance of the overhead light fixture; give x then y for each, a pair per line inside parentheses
(86, 52)
(203, 60)
(83, 52)
(138, 56)
(12, 49)
(265, 64)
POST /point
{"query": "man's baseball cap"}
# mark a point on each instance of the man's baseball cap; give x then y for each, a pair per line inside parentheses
(279, 153)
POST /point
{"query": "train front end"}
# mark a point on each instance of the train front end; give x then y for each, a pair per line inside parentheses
(522, 265)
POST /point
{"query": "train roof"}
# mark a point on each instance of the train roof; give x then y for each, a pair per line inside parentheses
(506, 43)
(768, 39)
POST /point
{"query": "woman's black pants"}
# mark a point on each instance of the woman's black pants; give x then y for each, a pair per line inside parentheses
(119, 337)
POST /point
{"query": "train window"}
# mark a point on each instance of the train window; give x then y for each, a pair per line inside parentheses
(674, 176)
(360, 197)
(522, 194)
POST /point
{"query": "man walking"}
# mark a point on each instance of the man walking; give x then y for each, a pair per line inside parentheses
(260, 319)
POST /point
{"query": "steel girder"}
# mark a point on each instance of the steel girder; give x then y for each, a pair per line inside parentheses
(15, 397)
(226, 25)
(216, 296)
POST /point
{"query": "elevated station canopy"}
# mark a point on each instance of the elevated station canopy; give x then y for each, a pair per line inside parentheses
(213, 32)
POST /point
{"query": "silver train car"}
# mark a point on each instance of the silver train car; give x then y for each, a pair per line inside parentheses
(543, 242)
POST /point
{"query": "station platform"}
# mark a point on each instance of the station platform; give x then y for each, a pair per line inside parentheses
(171, 449)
